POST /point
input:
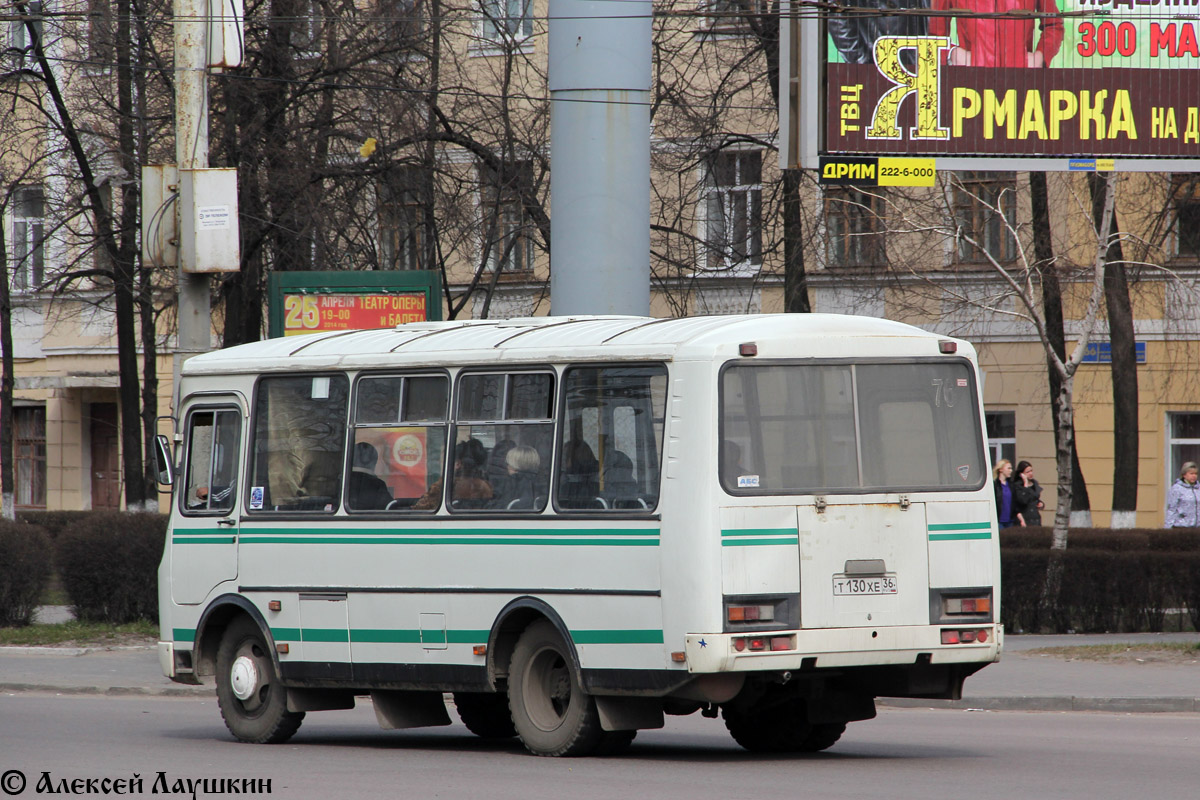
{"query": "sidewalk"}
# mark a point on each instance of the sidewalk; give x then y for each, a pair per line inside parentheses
(1020, 681)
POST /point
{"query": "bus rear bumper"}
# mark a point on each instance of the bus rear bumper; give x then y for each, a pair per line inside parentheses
(839, 648)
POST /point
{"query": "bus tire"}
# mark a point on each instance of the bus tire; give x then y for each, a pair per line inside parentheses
(615, 742)
(253, 703)
(485, 714)
(550, 711)
(824, 735)
(780, 727)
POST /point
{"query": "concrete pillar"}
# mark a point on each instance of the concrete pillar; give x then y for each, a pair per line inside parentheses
(599, 75)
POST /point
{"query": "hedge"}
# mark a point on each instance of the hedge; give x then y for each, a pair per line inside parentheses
(1112, 580)
(108, 562)
(24, 569)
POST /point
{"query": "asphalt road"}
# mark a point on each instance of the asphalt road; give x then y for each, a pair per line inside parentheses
(917, 753)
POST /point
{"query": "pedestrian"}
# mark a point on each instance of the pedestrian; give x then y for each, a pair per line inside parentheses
(1027, 495)
(1006, 510)
(1183, 499)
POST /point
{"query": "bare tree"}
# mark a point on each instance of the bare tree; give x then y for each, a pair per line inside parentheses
(100, 140)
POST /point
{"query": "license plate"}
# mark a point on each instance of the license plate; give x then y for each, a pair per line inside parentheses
(876, 584)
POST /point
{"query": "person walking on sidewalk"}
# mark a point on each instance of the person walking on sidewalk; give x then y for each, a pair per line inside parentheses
(1006, 510)
(1027, 495)
(1183, 499)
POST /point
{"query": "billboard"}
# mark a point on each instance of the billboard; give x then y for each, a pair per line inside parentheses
(996, 84)
(315, 302)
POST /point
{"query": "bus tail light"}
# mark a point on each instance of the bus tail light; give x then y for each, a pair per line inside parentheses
(751, 613)
(967, 605)
(759, 644)
(760, 613)
(964, 636)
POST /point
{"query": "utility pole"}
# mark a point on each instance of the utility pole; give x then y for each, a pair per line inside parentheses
(599, 65)
(191, 152)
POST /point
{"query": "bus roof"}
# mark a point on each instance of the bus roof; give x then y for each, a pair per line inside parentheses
(579, 338)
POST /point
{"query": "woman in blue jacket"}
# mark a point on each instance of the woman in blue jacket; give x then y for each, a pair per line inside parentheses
(1183, 499)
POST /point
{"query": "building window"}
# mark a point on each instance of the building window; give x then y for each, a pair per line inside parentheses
(985, 211)
(1002, 435)
(28, 238)
(29, 447)
(506, 229)
(403, 20)
(1186, 194)
(733, 209)
(506, 20)
(20, 41)
(401, 221)
(854, 223)
(99, 32)
(731, 16)
(1184, 442)
(303, 20)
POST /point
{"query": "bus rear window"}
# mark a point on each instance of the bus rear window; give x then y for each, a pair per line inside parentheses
(805, 428)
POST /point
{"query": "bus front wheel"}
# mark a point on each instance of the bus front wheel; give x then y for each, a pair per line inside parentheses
(252, 701)
(550, 711)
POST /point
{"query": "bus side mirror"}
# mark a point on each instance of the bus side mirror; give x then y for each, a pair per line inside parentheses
(162, 460)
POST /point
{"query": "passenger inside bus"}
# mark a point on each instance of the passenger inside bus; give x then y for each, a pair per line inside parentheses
(470, 489)
(578, 482)
(367, 490)
(523, 487)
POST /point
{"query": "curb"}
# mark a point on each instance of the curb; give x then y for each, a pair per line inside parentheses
(112, 691)
(51, 650)
(1124, 705)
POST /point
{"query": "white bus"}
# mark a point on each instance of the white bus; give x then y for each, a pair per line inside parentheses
(578, 525)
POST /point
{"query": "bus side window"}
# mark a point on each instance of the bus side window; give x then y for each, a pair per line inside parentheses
(299, 441)
(611, 439)
(210, 475)
(399, 443)
(505, 433)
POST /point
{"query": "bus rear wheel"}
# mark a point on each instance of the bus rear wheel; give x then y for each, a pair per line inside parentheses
(252, 701)
(550, 711)
(486, 715)
(779, 727)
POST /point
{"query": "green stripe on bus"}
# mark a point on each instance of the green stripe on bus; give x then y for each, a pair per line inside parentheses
(959, 537)
(184, 634)
(205, 540)
(618, 637)
(759, 542)
(961, 526)
(448, 531)
(252, 539)
(413, 636)
(760, 532)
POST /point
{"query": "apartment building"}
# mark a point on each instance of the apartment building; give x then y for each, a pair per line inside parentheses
(399, 135)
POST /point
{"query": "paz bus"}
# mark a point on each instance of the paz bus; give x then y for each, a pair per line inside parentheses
(576, 526)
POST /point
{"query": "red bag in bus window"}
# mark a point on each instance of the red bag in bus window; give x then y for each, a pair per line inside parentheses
(407, 460)
(999, 41)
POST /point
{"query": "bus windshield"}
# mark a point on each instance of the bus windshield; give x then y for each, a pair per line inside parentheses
(867, 427)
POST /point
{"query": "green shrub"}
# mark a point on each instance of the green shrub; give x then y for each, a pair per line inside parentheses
(53, 522)
(1112, 580)
(24, 569)
(108, 562)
